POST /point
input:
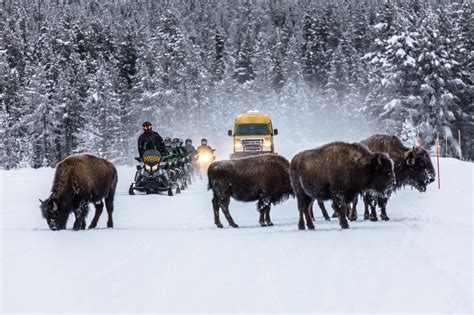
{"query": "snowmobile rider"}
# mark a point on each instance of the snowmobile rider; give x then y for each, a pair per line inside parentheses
(204, 146)
(179, 150)
(150, 140)
(190, 149)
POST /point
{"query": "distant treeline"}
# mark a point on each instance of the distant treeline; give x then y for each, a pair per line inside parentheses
(83, 75)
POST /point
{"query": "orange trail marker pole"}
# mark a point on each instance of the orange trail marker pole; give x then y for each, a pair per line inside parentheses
(437, 159)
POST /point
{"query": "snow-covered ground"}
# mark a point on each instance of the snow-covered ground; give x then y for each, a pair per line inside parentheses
(166, 255)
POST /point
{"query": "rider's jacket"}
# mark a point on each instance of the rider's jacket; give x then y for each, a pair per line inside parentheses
(150, 140)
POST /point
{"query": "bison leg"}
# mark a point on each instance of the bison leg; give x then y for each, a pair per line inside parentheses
(341, 208)
(261, 220)
(383, 205)
(215, 207)
(370, 202)
(267, 216)
(109, 204)
(324, 211)
(263, 206)
(224, 204)
(99, 207)
(81, 214)
(353, 210)
(304, 204)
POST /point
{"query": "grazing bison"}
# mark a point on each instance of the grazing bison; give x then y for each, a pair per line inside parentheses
(339, 172)
(264, 178)
(413, 167)
(80, 179)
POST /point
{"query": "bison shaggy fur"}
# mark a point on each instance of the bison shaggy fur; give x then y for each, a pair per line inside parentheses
(338, 171)
(80, 179)
(263, 178)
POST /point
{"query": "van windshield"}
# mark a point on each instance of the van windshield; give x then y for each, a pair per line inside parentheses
(252, 129)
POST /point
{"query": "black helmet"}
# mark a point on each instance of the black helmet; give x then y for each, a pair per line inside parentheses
(175, 140)
(180, 141)
(188, 141)
(167, 139)
(203, 141)
(146, 125)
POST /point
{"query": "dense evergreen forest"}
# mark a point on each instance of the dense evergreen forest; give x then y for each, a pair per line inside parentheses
(83, 75)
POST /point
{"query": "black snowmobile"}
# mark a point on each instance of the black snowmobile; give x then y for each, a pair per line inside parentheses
(151, 176)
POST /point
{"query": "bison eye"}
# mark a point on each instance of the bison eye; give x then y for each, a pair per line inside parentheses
(422, 163)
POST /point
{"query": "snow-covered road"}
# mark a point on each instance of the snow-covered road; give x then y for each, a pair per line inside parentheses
(165, 254)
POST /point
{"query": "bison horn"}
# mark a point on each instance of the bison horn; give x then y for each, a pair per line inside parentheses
(55, 206)
(41, 201)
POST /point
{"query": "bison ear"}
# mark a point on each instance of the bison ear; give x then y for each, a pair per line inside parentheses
(379, 160)
(410, 157)
(55, 206)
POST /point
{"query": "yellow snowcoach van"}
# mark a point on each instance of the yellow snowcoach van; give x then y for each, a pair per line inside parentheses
(253, 134)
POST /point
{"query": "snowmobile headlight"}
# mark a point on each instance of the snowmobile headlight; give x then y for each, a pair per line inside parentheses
(154, 168)
(205, 157)
(148, 167)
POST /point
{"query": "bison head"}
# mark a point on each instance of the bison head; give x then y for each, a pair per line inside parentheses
(420, 171)
(383, 178)
(51, 211)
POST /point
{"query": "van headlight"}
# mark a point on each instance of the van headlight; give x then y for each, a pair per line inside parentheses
(238, 147)
(267, 146)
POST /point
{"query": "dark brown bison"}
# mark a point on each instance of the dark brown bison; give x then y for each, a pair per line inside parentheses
(413, 167)
(338, 171)
(263, 178)
(80, 179)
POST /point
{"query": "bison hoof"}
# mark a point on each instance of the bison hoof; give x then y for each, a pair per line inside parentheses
(384, 217)
(219, 225)
(234, 225)
(366, 217)
(310, 227)
(344, 226)
(353, 218)
(269, 223)
(301, 226)
(110, 225)
(373, 218)
(263, 224)
(91, 227)
(327, 218)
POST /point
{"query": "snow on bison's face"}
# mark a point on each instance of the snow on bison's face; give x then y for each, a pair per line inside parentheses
(55, 218)
(420, 172)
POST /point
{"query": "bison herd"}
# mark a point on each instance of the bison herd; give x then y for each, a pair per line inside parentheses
(338, 171)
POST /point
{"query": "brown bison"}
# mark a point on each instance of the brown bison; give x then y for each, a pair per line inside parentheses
(80, 179)
(338, 171)
(263, 178)
(413, 167)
